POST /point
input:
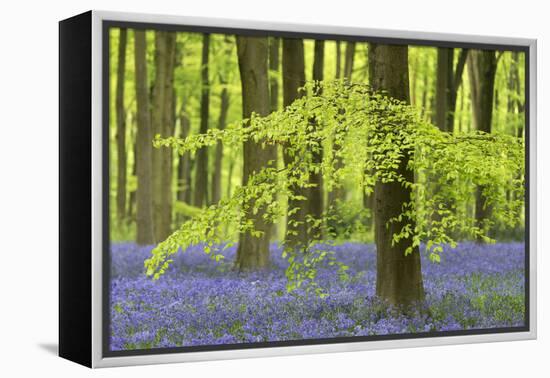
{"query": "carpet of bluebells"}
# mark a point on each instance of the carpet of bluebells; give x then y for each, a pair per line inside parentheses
(201, 302)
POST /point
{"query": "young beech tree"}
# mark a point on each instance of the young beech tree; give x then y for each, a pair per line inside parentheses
(379, 134)
(399, 277)
(144, 149)
(253, 249)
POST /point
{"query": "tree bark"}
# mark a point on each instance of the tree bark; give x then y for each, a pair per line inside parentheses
(315, 200)
(184, 161)
(274, 68)
(217, 173)
(348, 65)
(515, 106)
(274, 72)
(144, 204)
(456, 83)
(131, 205)
(253, 252)
(338, 194)
(163, 124)
(338, 73)
(482, 66)
(444, 82)
(201, 173)
(222, 121)
(121, 128)
(293, 79)
(398, 276)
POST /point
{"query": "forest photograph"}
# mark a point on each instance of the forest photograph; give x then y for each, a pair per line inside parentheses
(269, 188)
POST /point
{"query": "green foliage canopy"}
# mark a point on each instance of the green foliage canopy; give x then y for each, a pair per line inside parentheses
(370, 133)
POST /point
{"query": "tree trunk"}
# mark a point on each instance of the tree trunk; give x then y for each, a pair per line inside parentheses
(184, 163)
(163, 124)
(293, 79)
(130, 212)
(274, 64)
(337, 195)
(217, 173)
(121, 128)
(482, 66)
(274, 68)
(222, 121)
(144, 204)
(201, 173)
(453, 94)
(253, 252)
(348, 65)
(315, 199)
(515, 106)
(424, 105)
(398, 276)
(338, 73)
(444, 82)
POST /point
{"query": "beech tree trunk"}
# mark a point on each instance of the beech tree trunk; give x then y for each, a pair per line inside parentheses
(316, 179)
(338, 73)
(163, 124)
(274, 64)
(131, 203)
(398, 276)
(222, 121)
(217, 172)
(456, 83)
(444, 82)
(184, 161)
(338, 194)
(121, 128)
(201, 173)
(253, 252)
(274, 72)
(293, 79)
(515, 106)
(448, 82)
(348, 66)
(482, 67)
(144, 204)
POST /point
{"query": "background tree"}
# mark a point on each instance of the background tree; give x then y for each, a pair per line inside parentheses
(315, 199)
(144, 148)
(399, 277)
(274, 63)
(253, 250)
(121, 127)
(482, 66)
(337, 195)
(163, 123)
(349, 61)
(201, 170)
(222, 121)
(293, 79)
(184, 161)
(448, 82)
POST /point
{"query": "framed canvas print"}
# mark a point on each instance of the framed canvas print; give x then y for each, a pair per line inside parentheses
(235, 189)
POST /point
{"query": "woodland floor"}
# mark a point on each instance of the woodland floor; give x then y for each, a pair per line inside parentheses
(201, 302)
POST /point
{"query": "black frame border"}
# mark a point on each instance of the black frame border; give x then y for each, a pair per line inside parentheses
(106, 25)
